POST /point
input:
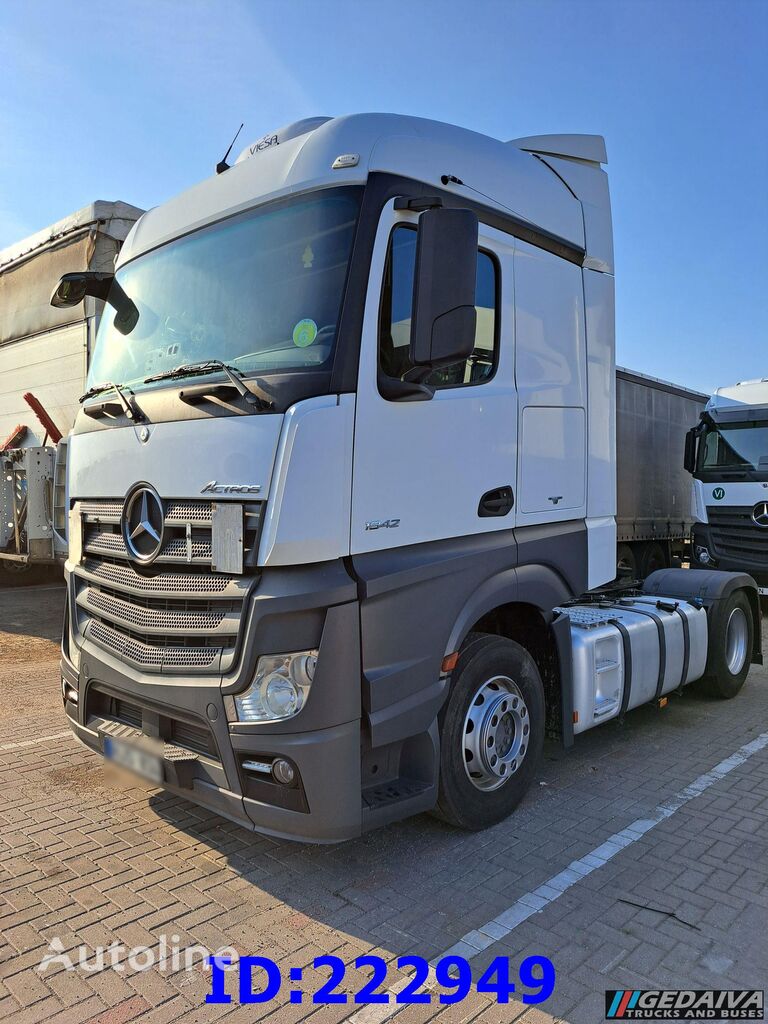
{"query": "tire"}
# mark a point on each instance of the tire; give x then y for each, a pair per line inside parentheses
(652, 557)
(493, 674)
(626, 562)
(14, 574)
(730, 648)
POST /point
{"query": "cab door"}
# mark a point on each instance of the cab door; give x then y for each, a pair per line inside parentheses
(442, 468)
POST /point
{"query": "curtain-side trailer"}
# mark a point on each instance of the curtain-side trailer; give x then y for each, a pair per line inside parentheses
(654, 519)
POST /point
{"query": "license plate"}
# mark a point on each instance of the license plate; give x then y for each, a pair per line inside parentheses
(135, 759)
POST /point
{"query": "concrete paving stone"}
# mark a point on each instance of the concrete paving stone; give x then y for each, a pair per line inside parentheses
(40, 1011)
(70, 987)
(135, 863)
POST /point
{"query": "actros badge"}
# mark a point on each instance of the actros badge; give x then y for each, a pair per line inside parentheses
(214, 487)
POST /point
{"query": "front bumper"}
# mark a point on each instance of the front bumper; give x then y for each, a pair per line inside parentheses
(290, 610)
(729, 560)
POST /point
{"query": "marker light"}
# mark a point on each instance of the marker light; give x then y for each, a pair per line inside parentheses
(279, 689)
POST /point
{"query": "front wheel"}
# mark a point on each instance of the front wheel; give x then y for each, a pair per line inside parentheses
(492, 733)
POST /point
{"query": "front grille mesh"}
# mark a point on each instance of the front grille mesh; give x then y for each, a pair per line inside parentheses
(148, 616)
(736, 535)
(175, 616)
(107, 542)
(125, 577)
(141, 653)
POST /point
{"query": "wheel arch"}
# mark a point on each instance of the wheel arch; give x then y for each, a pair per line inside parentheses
(537, 588)
(712, 587)
(520, 604)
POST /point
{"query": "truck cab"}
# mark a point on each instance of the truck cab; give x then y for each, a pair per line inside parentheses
(727, 455)
(346, 457)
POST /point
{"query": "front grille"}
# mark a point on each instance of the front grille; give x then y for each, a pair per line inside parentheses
(177, 615)
(193, 616)
(125, 577)
(134, 649)
(735, 534)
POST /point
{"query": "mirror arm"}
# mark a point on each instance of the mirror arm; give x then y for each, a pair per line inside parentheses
(98, 286)
(106, 288)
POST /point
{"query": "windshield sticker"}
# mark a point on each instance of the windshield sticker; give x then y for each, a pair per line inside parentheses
(304, 333)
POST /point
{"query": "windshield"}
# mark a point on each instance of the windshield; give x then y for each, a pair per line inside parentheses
(740, 448)
(261, 291)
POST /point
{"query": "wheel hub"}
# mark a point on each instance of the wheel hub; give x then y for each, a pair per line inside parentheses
(496, 732)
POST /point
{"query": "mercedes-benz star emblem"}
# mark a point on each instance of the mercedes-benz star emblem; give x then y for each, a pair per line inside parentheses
(760, 514)
(143, 522)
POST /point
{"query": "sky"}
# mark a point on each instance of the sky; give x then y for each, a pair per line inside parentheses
(139, 100)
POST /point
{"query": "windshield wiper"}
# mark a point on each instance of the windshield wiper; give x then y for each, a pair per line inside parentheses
(210, 366)
(130, 408)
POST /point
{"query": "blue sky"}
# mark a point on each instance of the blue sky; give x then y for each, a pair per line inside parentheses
(137, 100)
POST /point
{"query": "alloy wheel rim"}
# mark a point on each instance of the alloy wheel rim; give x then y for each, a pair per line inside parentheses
(736, 638)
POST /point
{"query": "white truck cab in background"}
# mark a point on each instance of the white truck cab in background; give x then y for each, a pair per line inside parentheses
(727, 454)
(344, 485)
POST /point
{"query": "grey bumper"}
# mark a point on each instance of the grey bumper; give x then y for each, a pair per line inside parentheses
(290, 610)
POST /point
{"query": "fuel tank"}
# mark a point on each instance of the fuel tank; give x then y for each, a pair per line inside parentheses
(632, 652)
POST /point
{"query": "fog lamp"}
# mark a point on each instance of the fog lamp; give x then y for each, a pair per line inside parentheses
(283, 771)
(279, 689)
(702, 554)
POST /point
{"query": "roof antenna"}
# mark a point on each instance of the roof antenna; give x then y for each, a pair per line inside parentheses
(222, 165)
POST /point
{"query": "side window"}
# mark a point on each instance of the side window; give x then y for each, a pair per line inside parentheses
(395, 323)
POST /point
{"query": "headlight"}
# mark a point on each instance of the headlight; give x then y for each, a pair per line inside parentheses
(279, 689)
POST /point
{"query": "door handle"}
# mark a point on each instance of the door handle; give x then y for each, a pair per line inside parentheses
(498, 502)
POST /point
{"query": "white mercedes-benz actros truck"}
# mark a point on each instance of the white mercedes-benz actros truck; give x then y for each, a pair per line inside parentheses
(342, 489)
(727, 454)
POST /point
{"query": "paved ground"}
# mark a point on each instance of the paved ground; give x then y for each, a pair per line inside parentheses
(683, 905)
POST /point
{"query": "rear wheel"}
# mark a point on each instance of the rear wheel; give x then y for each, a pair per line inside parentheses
(492, 733)
(653, 557)
(12, 573)
(730, 648)
(626, 562)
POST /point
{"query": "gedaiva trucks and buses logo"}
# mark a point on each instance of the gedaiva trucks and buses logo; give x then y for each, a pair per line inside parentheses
(684, 1004)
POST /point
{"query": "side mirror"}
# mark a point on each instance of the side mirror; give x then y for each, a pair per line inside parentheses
(72, 289)
(444, 315)
(691, 438)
